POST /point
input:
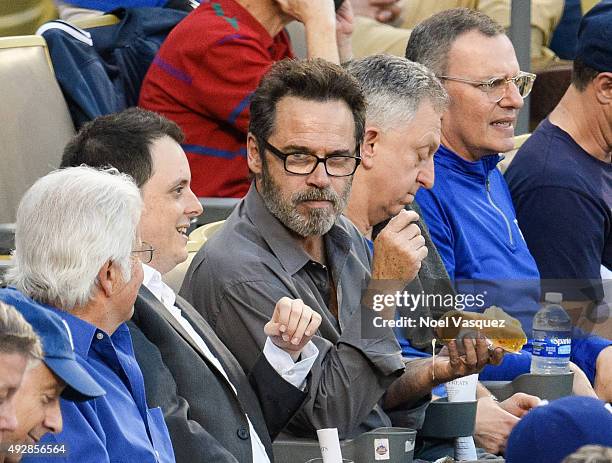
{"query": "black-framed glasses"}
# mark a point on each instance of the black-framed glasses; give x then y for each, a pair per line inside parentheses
(497, 87)
(336, 165)
(145, 253)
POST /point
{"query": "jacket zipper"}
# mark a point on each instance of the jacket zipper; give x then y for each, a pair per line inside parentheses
(507, 222)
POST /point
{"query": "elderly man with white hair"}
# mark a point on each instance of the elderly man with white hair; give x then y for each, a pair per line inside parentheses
(78, 253)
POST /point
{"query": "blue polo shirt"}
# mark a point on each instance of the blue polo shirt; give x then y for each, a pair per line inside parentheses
(117, 427)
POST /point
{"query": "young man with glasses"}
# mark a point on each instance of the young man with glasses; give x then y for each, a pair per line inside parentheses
(288, 236)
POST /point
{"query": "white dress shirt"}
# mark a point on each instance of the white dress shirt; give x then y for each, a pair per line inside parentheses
(292, 372)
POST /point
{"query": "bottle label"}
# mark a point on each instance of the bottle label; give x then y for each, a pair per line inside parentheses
(552, 344)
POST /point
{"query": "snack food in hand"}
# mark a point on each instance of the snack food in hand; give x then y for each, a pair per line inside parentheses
(497, 326)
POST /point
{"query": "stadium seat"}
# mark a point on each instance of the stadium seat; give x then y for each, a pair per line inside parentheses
(96, 21)
(447, 420)
(36, 124)
(553, 79)
(216, 209)
(174, 278)
(586, 5)
(22, 17)
(509, 155)
(7, 244)
(395, 445)
(549, 387)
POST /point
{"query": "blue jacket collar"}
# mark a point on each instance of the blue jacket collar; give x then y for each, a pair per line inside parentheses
(479, 169)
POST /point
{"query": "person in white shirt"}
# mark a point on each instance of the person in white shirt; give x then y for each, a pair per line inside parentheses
(213, 411)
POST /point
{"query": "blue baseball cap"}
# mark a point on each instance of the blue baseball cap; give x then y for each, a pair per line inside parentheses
(57, 345)
(552, 432)
(594, 47)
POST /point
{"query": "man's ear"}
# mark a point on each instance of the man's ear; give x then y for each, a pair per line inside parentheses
(108, 277)
(602, 84)
(253, 154)
(371, 139)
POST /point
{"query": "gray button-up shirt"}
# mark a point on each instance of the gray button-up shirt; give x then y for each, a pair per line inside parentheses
(235, 281)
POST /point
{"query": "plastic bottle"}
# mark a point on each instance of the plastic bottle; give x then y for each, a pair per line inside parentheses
(552, 337)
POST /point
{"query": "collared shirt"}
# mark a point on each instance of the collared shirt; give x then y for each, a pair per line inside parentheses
(211, 103)
(117, 427)
(254, 260)
(294, 373)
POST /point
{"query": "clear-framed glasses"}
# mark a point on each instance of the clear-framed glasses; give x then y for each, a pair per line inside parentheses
(336, 165)
(497, 87)
(145, 253)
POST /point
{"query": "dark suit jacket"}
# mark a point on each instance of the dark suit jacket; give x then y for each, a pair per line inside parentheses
(205, 418)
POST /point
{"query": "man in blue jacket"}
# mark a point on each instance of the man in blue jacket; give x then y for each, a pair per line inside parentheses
(469, 210)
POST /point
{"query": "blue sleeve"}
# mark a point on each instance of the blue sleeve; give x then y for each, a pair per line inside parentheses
(439, 228)
(407, 350)
(564, 231)
(585, 350)
(82, 436)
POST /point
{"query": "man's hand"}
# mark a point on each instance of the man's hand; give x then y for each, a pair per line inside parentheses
(519, 404)
(328, 35)
(418, 379)
(308, 11)
(493, 426)
(386, 10)
(494, 421)
(451, 364)
(399, 249)
(292, 325)
(344, 31)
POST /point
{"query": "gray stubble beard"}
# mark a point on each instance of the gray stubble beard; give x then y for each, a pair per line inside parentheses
(318, 222)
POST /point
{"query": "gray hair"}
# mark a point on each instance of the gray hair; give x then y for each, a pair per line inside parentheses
(394, 88)
(590, 454)
(69, 224)
(431, 40)
(16, 335)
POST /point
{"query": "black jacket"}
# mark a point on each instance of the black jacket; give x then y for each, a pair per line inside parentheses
(205, 418)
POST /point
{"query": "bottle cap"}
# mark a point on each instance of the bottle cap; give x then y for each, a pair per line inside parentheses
(554, 298)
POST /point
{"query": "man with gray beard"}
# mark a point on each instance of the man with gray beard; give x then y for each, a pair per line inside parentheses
(287, 238)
